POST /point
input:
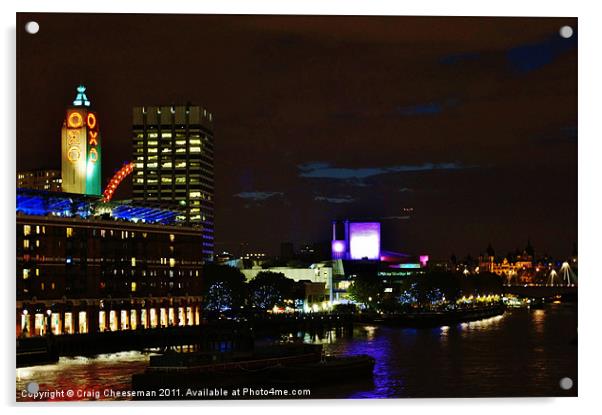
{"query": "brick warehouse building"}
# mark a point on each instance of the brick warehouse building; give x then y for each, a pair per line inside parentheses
(84, 266)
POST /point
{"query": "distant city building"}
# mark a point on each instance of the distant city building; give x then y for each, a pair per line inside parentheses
(356, 250)
(518, 267)
(287, 251)
(49, 180)
(84, 266)
(81, 148)
(173, 156)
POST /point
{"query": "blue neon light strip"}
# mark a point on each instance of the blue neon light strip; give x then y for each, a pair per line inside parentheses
(38, 203)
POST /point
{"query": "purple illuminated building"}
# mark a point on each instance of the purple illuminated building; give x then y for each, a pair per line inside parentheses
(356, 250)
(356, 240)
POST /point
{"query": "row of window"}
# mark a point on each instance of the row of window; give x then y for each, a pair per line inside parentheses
(168, 150)
(39, 324)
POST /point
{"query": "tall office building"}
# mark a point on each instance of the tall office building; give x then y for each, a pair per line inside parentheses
(173, 156)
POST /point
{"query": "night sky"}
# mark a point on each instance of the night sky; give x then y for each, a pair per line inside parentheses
(470, 122)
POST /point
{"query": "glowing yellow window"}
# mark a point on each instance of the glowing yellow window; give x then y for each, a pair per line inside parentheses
(69, 232)
(133, 287)
(26, 230)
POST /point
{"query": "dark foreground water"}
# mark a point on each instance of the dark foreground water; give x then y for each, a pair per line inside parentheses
(523, 353)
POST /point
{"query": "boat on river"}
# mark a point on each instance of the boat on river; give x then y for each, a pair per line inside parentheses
(328, 369)
(281, 364)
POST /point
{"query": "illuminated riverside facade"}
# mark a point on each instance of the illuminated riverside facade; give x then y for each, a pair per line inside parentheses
(173, 156)
(84, 266)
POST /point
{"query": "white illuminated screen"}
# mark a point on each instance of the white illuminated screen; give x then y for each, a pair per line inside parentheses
(364, 240)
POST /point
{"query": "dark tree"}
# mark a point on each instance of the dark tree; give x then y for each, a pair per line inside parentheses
(223, 288)
(269, 289)
(367, 288)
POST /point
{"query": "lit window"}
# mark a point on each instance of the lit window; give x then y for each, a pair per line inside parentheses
(133, 285)
(69, 232)
(172, 237)
(25, 243)
(133, 261)
(26, 230)
(25, 273)
(172, 262)
(195, 149)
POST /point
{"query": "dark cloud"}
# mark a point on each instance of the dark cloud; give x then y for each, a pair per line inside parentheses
(533, 56)
(258, 195)
(339, 199)
(320, 170)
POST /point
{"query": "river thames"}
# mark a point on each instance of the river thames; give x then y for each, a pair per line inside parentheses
(525, 352)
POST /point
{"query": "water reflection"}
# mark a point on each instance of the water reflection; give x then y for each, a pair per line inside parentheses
(111, 371)
(517, 354)
(524, 353)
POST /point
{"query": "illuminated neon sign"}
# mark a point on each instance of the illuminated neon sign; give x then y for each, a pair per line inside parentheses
(92, 170)
(92, 137)
(75, 120)
(81, 148)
